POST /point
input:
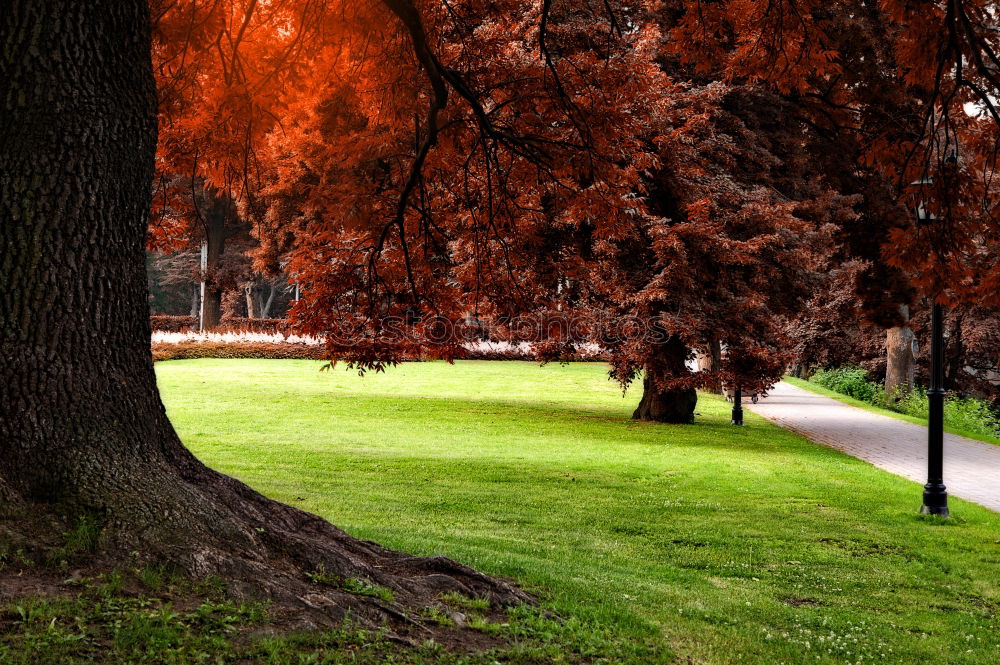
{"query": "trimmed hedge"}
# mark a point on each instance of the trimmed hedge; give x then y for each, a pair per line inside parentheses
(167, 323)
(295, 350)
(199, 349)
(241, 324)
(525, 351)
(168, 345)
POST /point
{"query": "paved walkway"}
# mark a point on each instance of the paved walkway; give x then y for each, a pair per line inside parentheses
(971, 468)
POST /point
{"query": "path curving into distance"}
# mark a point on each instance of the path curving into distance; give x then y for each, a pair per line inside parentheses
(971, 468)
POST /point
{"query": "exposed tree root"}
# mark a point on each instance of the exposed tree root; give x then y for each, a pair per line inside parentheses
(263, 550)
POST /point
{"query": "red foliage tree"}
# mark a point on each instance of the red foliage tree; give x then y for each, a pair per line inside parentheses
(902, 93)
(907, 92)
(484, 174)
(584, 181)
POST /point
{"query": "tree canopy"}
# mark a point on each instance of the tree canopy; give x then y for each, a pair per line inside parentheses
(679, 163)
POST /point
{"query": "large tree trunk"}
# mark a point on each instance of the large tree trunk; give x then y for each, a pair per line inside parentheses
(900, 361)
(82, 428)
(674, 405)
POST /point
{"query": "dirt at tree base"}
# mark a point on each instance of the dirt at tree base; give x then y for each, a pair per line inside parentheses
(22, 587)
(44, 557)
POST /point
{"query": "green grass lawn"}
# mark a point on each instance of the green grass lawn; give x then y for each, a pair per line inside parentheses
(840, 397)
(724, 544)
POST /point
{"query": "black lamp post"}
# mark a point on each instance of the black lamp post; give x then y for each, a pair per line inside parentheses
(738, 406)
(935, 494)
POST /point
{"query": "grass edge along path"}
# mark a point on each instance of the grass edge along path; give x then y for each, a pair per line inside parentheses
(805, 384)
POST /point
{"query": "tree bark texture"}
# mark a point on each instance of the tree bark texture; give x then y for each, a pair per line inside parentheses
(955, 346)
(666, 405)
(712, 362)
(195, 301)
(82, 427)
(900, 360)
(215, 216)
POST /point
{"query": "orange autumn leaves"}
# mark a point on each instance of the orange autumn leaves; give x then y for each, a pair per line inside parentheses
(906, 85)
(615, 168)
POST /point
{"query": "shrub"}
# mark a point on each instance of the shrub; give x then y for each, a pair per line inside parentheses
(972, 415)
(502, 350)
(853, 382)
(249, 344)
(968, 414)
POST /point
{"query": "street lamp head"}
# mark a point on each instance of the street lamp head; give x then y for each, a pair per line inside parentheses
(924, 216)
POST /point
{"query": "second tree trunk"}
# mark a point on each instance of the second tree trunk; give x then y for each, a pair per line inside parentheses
(667, 405)
(900, 360)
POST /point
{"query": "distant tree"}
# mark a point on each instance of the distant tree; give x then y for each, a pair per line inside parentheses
(172, 286)
(201, 238)
(732, 248)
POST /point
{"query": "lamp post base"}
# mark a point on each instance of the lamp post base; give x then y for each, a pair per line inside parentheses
(738, 407)
(935, 501)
